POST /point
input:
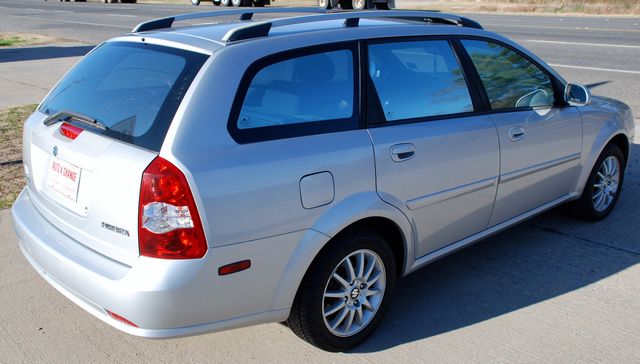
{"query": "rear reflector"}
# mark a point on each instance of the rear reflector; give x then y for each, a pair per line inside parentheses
(70, 131)
(234, 267)
(121, 319)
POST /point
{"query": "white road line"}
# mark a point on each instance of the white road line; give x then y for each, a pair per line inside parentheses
(131, 16)
(71, 22)
(581, 43)
(562, 28)
(594, 68)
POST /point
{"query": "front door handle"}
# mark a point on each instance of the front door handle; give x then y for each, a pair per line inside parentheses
(402, 152)
(516, 133)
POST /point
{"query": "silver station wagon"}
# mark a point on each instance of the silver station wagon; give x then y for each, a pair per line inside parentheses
(191, 179)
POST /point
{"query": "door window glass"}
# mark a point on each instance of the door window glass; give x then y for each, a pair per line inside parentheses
(511, 81)
(417, 79)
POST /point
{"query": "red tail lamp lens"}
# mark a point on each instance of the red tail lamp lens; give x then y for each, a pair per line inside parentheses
(169, 225)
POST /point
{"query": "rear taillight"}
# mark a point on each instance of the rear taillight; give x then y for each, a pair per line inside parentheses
(169, 225)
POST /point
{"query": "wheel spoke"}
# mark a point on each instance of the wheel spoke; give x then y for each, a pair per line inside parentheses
(359, 316)
(335, 294)
(599, 202)
(373, 292)
(340, 318)
(602, 176)
(366, 304)
(598, 194)
(334, 308)
(374, 279)
(352, 314)
(341, 280)
(360, 265)
(350, 270)
(598, 185)
(369, 269)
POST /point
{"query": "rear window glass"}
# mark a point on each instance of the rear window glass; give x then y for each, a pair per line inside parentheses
(134, 89)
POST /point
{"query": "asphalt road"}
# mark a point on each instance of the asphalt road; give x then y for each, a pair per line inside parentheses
(550, 290)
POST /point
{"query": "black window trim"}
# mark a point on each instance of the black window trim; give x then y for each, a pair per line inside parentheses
(555, 83)
(479, 106)
(260, 134)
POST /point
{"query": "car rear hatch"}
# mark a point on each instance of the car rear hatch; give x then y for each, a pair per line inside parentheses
(89, 142)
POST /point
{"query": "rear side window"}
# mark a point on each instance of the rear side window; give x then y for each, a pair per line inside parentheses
(416, 79)
(134, 89)
(307, 89)
(511, 81)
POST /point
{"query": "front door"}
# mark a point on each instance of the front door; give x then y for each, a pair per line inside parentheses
(540, 139)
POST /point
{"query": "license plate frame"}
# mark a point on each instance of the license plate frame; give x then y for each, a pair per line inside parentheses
(64, 178)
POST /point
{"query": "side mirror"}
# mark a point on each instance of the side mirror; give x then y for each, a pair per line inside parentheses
(577, 95)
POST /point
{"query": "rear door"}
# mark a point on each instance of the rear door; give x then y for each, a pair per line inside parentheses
(84, 177)
(540, 138)
(435, 159)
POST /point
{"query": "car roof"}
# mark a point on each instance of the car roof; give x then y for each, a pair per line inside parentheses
(211, 36)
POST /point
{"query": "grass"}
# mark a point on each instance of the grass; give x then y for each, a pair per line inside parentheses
(11, 41)
(19, 39)
(11, 170)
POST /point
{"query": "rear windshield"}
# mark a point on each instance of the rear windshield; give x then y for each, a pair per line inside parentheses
(133, 89)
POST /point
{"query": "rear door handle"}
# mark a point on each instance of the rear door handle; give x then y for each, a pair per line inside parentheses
(516, 133)
(402, 152)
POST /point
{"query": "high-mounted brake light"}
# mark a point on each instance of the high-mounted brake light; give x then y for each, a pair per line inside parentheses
(70, 131)
(169, 225)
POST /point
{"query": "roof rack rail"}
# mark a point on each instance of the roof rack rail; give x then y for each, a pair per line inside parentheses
(245, 14)
(352, 19)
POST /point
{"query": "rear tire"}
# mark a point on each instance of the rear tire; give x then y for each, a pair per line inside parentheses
(338, 314)
(225, 2)
(603, 186)
(195, 2)
(238, 3)
(258, 3)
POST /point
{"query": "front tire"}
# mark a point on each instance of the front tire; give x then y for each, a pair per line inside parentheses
(345, 293)
(195, 2)
(603, 187)
(225, 2)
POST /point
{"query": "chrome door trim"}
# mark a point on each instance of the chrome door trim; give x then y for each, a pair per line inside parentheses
(537, 168)
(448, 194)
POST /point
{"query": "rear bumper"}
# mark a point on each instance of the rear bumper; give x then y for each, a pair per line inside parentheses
(164, 298)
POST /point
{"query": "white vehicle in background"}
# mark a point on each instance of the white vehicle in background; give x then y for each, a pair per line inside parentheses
(323, 4)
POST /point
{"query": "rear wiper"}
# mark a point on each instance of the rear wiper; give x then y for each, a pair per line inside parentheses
(74, 116)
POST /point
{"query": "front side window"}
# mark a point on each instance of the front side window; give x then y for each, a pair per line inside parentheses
(511, 81)
(312, 88)
(416, 79)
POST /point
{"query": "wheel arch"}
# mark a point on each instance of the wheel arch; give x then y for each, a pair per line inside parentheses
(365, 211)
(619, 138)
